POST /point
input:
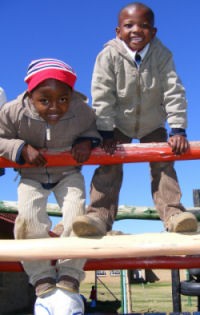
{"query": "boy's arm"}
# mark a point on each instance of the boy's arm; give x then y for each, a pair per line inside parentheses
(32, 156)
(87, 136)
(104, 91)
(174, 98)
(175, 104)
(178, 143)
(85, 142)
(9, 144)
(81, 150)
(17, 150)
(104, 99)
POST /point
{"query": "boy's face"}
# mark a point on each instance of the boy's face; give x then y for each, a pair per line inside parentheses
(135, 27)
(51, 99)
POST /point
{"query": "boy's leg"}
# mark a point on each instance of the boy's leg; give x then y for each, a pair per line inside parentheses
(33, 222)
(166, 191)
(70, 195)
(104, 196)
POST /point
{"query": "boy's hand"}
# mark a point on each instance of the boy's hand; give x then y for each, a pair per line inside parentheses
(109, 145)
(179, 144)
(33, 156)
(81, 151)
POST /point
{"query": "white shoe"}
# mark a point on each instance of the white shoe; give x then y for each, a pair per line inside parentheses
(44, 305)
(59, 302)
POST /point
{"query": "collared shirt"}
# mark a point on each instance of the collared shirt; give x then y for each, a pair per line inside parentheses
(133, 53)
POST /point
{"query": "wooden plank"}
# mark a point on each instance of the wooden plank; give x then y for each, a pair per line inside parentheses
(127, 246)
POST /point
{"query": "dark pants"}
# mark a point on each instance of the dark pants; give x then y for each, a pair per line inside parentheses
(107, 180)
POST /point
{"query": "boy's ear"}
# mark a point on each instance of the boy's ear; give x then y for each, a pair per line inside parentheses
(117, 30)
(29, 94)
(154, 31)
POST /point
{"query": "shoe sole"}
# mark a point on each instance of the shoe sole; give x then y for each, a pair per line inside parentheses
(186, 224)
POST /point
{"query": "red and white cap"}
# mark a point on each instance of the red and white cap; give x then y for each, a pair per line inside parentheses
(49, 68)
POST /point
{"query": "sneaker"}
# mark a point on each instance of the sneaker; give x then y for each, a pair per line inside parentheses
(88, 226)
(59, 302)
(68, 303)
(182, 222)
(44, 305)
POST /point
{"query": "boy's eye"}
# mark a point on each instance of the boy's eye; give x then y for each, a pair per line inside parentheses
(44, 101)
(63, 99)
(128, 25)
(145, 25)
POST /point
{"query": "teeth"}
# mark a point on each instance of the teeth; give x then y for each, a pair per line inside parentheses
(136, 39)
(53, 116)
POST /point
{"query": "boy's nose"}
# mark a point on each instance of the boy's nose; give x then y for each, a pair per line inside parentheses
(53, 105)
(136, 28)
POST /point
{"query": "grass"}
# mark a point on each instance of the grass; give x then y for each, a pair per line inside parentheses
(145, 298)
(150, 297)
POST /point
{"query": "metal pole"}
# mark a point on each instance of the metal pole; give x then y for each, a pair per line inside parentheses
(176, 296)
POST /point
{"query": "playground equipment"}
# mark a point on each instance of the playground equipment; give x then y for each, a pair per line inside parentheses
(127, 246)
(125, 153)
(169, 251)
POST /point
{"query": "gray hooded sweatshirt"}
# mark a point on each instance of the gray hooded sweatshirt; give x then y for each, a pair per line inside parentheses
(20, 124)
(137, 101)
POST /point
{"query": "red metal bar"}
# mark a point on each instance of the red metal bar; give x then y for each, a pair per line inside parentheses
(126, 153)
(160, 262)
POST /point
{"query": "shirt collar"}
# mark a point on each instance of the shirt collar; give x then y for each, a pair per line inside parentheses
(132, 53)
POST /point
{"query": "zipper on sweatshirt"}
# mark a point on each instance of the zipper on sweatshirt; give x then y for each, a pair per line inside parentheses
(138, 106)
(48, 133)
(47, 138)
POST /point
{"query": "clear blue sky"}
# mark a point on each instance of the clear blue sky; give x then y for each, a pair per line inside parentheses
(76, 31)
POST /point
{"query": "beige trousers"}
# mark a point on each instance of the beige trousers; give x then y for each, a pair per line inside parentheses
(33, 222)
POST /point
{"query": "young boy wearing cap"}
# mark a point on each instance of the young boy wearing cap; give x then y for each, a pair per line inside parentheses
(49, 115)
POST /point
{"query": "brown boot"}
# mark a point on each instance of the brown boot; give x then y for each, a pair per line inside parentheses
(86, 225)
(182, 222)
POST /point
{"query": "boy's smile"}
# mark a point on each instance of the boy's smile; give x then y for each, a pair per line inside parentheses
(135, 27)
(51, 99)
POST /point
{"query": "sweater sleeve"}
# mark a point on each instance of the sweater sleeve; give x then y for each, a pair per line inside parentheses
(174, 98)
(9, 144)
(2, 96)
(104, 91)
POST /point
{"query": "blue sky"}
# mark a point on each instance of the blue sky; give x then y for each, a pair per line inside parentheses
(75, 31)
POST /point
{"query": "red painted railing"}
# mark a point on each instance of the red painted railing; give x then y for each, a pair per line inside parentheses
(125, 153)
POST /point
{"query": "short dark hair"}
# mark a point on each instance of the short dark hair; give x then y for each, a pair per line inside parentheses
(142, 5)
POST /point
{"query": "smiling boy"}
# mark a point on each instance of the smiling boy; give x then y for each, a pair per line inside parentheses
(135, 91)
(49, 115)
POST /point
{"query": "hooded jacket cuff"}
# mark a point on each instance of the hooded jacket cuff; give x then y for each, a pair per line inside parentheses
(106, 134)
(94, 141)
(19, 158)
(178, 131)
